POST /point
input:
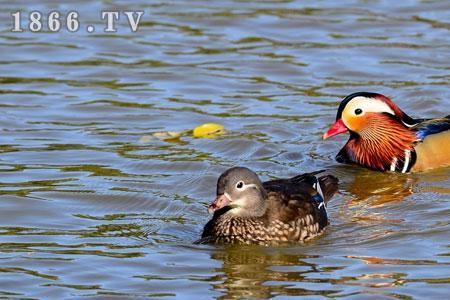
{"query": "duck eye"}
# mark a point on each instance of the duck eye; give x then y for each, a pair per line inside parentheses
(358, 111)
(240, 185)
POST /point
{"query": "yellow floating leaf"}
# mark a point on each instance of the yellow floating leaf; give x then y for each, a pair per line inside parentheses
(208, 130)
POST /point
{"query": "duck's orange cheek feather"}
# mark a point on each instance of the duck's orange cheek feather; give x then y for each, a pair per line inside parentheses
(358, 123)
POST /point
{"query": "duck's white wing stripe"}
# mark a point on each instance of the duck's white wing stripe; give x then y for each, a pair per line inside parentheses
(407, 160)
(394, 164)
(318, 188)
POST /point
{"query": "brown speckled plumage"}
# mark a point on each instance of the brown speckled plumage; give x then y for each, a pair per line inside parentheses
(295, 212)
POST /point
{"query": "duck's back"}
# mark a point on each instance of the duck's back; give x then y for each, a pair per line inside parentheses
(297, 206)
(433, 150)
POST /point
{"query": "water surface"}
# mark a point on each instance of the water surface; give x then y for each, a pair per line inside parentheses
(89, 210)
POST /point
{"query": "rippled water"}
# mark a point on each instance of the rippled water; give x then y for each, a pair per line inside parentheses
(87, 209)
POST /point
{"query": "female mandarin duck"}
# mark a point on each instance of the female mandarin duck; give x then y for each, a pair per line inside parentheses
(384, 138)
(248, 211)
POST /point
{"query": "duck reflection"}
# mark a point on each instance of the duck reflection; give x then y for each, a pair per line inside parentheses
(377, 187)
(259, 272)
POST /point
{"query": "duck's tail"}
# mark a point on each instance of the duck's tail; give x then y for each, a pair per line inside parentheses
(327, 187)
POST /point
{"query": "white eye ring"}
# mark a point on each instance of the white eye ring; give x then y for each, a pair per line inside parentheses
(240, 185)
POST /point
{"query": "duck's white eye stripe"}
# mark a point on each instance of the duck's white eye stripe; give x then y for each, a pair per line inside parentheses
(246, 186)
(369, 105)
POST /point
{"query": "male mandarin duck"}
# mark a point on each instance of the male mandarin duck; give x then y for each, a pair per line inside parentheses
(384, 138)
(248, 211)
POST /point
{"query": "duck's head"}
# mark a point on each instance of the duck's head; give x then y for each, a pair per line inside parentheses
(241, 191)
(362, 111)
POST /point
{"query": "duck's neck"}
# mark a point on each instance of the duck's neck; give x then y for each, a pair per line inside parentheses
(384, 146)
